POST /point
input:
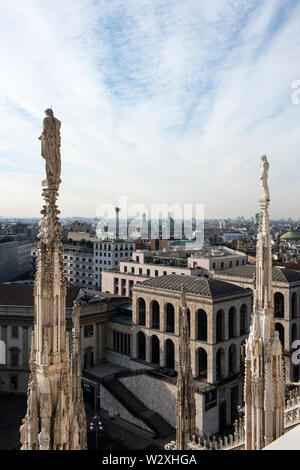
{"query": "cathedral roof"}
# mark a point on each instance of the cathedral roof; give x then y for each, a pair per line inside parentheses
(194, 285)
(22, 296)
(248, 271)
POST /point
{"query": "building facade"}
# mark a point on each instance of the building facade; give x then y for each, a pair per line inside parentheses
(108, 254)
(286, 296)
(219, 317)
(78, 265)
(145, 265)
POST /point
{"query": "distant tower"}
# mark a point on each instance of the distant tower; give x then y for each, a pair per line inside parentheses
(55, 417)
(264, 385)
(117, 209)
(185, 403)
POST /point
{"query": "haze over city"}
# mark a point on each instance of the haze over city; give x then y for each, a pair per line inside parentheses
(160, 101)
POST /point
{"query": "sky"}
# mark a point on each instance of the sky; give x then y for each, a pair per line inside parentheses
(161, 101)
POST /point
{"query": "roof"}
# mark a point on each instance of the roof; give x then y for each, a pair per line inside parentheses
(23, 295)
(291, 235)
(248, 271)
(201, 286)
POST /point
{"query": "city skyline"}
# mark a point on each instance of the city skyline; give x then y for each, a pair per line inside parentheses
(157, 103)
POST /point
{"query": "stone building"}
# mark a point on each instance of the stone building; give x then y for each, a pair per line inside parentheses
(217, 258)
(108, 254)
(144, 265)
(219, 316)
(16, 322)
(286, 295)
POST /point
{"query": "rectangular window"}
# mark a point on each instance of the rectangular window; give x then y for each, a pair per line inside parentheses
(88, 331)
(14, 332)
(14, 361)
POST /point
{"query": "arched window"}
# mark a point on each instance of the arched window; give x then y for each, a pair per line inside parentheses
(294, 305)
(141, 311)
(232, 362)
(155, 350)
(232, 322)
(141, 340)
(170, 318)
(279, 305)
(280, 328)
(243, 319)
(155, 315)
(202, 325)
(220, 326)
(294, 332)
(220, 363)
(170, 354)
(202, 363)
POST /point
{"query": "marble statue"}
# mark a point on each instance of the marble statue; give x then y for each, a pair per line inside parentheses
(50, 139)
(264, 177)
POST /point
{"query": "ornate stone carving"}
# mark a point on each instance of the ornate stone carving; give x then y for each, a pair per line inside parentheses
(263, 390)
(54, 393)
(185, 403)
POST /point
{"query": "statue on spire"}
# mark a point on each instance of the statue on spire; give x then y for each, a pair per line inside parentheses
(264, 177)
(50, 139)
(55, 417)
(264, 386)
(185, 404)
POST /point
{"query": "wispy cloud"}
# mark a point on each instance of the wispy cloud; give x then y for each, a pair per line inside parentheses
(159, 100)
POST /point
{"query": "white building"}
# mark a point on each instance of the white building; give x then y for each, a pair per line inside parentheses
(217, 259)
(145, 265)
(108, 254)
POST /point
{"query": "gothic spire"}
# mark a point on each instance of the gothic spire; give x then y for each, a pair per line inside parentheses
(185, 403)
(50, 407)
(263, 390)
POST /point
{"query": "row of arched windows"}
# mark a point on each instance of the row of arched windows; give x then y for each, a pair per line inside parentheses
(279, 305)
(201, 356)
(201, 333)
(232, 323)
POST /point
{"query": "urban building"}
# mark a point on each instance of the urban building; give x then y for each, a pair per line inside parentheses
(216, 258)
(78, 265)
(108, 254)
(15, 260)
(16, 323)
(286, 295)
(219, 317)
(144, 265)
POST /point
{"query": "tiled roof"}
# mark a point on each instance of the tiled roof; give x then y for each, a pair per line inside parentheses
(248, 272)
(23, 295)
(194, 285)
